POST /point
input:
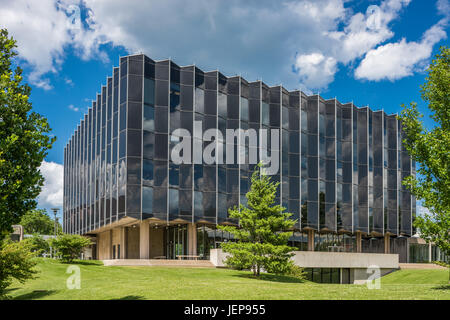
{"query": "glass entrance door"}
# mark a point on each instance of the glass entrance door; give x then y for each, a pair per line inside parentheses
(176, 241)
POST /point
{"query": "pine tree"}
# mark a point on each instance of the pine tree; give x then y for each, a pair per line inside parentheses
(263, 230)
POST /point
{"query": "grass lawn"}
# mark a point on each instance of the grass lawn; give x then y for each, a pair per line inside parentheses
(99, 282)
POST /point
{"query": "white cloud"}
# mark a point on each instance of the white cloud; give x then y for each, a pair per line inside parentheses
(315, 69)
(43, 31)
(52, 191)
(73, 108)
(397, 60)
(263, 39)
(69, 82)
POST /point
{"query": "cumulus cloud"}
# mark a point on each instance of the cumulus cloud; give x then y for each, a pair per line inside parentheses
(43, 30)
(393, 61)
(286, 38)
(73, 108)
(52, 191)
(361, 33)
(315, 69)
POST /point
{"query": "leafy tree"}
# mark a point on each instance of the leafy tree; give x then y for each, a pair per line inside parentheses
(263, 233)
(16, 262)
(37, 221)
(69, 246)
(431, 148)
(23, 141)
(38, 244)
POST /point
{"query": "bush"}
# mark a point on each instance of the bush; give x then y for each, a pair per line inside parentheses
(69, 246)
(16, 262)
(38, 245)
(297, 272)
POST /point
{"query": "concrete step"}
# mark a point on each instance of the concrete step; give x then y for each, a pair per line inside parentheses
(159, 263)
(420, 266)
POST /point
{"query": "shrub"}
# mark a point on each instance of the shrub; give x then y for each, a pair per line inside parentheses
(297, 272)
(16, 262)
(69, 246)
(38, 244)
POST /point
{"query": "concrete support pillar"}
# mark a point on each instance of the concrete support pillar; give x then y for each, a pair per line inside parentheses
(429, 252)
(387, 244)
(123, 243)
(144, 240)
(192, 239)
(310, 240)
(110, 244)
(407, 249)
(358, 242)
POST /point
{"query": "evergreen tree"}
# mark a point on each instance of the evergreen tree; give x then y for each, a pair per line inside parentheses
(263, 230)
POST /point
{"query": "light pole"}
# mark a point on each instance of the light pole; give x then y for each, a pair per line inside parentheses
(55, 212)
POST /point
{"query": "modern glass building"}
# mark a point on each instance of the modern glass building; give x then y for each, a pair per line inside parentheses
(340, 166)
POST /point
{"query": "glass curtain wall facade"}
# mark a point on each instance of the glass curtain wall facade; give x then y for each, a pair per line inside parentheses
(340, 166)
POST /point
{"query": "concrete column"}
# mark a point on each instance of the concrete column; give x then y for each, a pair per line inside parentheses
(192, 239)
(358, 242)
(407, 250)
(123, 243)
(110, 244)
(387, 244)
(310, 240)
(144, 240)
(429, 252)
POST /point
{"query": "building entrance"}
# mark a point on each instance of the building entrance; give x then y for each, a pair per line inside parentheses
(176, 241)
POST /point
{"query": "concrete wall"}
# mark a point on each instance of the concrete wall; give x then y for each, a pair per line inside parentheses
(133, 239)
(104, 245)
(316, 259)
(217, 257)
(357, 263)
(156, 242)
(144, 240)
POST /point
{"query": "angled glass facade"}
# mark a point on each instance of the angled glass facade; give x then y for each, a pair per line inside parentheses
(340, 167)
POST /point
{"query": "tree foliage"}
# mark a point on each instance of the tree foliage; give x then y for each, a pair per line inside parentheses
(38, 244)
(431, 149)
(69, 246)
(16, 262)
(23, 141)
(263, 230)
(38, 222)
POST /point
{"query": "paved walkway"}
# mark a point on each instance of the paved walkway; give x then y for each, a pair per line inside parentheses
(159, 263)
(420, 266)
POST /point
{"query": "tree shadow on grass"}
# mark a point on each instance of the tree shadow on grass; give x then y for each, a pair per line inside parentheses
(35, 294)
(271, 277)
(85, 263)
(443, 287)
(130, 298)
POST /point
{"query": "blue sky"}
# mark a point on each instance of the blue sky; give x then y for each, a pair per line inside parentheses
(370, 52)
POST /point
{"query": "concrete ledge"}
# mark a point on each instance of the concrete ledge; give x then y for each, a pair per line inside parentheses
(421, 266)
(159, 263)
(315, 259)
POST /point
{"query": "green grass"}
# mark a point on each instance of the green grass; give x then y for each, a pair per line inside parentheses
(100, 282)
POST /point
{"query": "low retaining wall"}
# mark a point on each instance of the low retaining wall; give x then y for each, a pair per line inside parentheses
(315, 259)
(358, 263)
